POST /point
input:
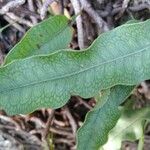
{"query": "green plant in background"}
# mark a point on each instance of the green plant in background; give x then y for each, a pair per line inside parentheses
(41, 72)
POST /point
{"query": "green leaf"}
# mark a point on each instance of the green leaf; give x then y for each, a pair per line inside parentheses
(102, 118)
(48, 36)
(120, 56)
(132, 21)
(129, 127)
(96, 118)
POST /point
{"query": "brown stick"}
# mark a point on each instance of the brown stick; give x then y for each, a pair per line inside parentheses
(45, 7)
(71, 120)
(31, 7)
(48, 124)
(100, 22)
(77, 9)
(10, 5)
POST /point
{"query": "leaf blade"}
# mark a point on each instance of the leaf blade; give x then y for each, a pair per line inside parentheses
(129, 127)
(54, 78)
(98, 122)
(46, 37)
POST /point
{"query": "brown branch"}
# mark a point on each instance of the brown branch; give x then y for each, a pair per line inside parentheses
(45, 7)
(134, 8)
(124, 7)
(19, 20)
(10, 5)
(83, 102)
(14, 24)
(94, 15)
(31, 8)
(71, 120)
(77, 9)
(48, 124)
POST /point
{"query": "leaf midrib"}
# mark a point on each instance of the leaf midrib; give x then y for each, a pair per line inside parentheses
(74, 73)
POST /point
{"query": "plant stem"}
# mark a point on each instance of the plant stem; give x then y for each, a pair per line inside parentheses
(141, 143)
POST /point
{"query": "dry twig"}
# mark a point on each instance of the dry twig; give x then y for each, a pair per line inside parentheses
(124, 6)
(10, 5)
(31, 7)
(133, 8)
(83, 102)
(54, 130)
(77, 9)
(100, 22)
(48, 124)
(71, 120)
(9, 120)
(19, 20)
(45, 7)
(139, 7)
(16, 25)
(66, 141)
